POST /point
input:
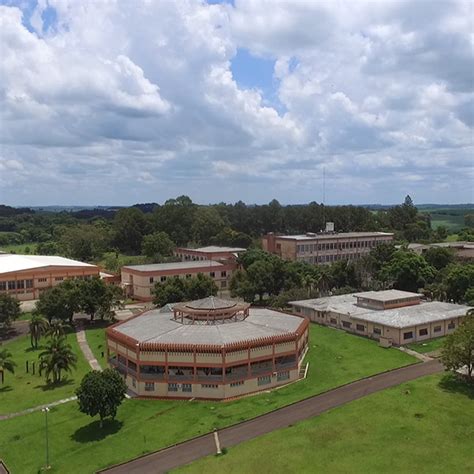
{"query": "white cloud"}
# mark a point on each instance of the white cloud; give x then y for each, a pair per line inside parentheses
(112, 94)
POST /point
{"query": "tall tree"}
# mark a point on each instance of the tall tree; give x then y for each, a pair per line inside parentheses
(38, 327)
(458, 280)
(56, 358)
(439, 257)
(6, 363)
(130, 225)
(101, 393)
(458, 349)
(408, 271)
(157, 245)
(206, 223)
(9, 310)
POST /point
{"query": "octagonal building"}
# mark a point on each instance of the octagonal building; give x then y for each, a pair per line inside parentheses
(207, 349)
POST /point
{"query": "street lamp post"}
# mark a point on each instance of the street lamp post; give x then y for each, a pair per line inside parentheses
(46, 410)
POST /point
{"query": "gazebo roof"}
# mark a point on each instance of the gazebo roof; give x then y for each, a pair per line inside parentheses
(210, 303)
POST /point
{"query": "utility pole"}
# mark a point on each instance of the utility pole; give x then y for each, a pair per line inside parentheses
(46, 410)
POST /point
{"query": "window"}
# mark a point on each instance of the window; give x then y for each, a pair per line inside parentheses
(223, 274)
(172, 387)
(151, 280)
(223, 284)
(187, 387)
(134, 382)
(29, 283)
(346, 324)
(12, 285)
(209, 385)
(377, 331)
(59, 279)
(360, 327)
(149, 386)
(437, 329)
(188, 275)
(283, 375)
(451, 325)
(163, 278)
(20, 284)
(264, 380)
(212, 274)
(237, 384)
(3, 285)
(333, 321)
(423, 332)
(42, 280)
(408, 335)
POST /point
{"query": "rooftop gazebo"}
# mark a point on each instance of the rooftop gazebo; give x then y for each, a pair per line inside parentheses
(210, 310)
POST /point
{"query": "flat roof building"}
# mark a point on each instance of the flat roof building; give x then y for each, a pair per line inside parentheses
(139, 280)
(324, 247)
(208, 349)
(26, 276)
(211, 252)
(400, 317)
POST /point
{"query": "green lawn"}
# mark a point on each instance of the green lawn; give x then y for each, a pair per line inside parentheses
(24, 390)
(29, 248)
(424, 426)
(428, 346)
(96, 340)
(77, 444)
(25, 316)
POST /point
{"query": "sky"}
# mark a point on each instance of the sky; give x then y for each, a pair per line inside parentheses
(116, 102)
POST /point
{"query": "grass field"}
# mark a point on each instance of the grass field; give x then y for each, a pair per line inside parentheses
(24, 390)
(79, 446)
(424, 426)
(452, 219)
(428, 346)
(96, 339)
(19, 248)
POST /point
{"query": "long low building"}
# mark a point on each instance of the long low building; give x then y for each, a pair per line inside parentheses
(26, 276)
(211, 252)
(325, 247)
(207, 349)
(396, 317)
(139, 280)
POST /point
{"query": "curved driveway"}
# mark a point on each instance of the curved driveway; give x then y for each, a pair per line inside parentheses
(188, 451)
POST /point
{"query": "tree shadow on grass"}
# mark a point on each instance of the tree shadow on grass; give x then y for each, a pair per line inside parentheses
(51, 386)
(93, 431)
(6, 388)
(457, 384)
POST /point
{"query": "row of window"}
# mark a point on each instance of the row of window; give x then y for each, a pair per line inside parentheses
(424, 331)
(188, 275)
(305, 248)
(27, 284)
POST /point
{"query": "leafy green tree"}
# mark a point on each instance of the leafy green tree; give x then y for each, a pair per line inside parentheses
(241, 287)
(440, 233)
(439, 257)
(9, 310)
(101, 393)
(231, 238)
(469, 296)
(130, 225)
(6, 363)
(157, 245)
(469, 220)
(207, 223)
(38, 327)
(408, 271)
(171, 291)
(84, 242)
(56, 358)
(458, 280)
(59, 302)
(56, 329)
(91, 294)
(201, 286)
(458, 349)
(260, 276)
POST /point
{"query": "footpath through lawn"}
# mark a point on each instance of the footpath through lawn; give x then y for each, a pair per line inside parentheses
(423, 426)
(78, 445)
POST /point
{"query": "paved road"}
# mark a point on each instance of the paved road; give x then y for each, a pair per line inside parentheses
(184, 453)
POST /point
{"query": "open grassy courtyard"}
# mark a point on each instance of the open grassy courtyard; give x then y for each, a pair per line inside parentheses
(428, 346)
(424, 426)
(78, 445)
(23, 390)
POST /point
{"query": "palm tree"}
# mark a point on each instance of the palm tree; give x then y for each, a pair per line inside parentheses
(56, 329)
(6, 363)
(38, 327)
(308, 282)
(58, 356)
